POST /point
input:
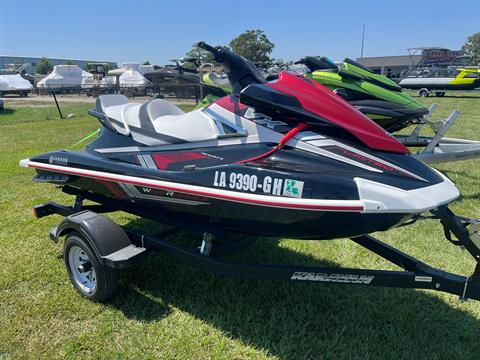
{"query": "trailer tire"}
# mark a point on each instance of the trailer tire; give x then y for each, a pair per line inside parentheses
(89, 277)
(423, 93)
(440, 93)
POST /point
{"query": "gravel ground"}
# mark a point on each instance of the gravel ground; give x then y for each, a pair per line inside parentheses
(34, 100)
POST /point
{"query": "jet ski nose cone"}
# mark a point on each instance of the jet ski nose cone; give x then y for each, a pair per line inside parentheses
(379, 197)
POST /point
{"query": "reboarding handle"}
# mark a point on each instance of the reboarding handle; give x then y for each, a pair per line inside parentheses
(240, 71)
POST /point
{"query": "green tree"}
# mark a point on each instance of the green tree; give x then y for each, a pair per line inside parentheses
(196, 53)
(102, 67)
(44, 66)
(254, 46)
(146, 63)
(107, 67)
(472, 47)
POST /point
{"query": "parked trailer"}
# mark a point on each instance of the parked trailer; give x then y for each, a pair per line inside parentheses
(95, 247)
(21, 93)
(438, 148)
(424, 92)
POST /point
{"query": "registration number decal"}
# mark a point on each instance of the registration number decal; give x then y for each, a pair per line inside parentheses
(252, 183)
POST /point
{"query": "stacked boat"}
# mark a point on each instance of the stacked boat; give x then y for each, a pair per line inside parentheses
(65, 78)
(14, 84)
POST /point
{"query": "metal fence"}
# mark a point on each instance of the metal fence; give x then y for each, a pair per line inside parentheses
(180, 91)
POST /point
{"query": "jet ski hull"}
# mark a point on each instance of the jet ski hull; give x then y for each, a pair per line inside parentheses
(323, 200)
(265, 220)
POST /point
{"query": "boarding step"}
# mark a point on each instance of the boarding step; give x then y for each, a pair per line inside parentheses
(125, 254)
(53, 178)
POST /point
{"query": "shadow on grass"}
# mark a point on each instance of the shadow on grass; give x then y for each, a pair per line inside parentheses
(464, 175)
(461, 96)
(7, 111)
(301, 320)
(458, 96)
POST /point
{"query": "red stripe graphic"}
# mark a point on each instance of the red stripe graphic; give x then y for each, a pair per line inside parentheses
(164, 160)
(113, 187)
(231, 104)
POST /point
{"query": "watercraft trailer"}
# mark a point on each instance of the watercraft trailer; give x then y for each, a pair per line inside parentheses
(21, 93)
(439, 149)
(425, 92)
(95, 247)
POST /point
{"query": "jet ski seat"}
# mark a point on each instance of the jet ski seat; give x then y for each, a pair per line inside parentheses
(113, 106)
(157, 121)
(219, 80)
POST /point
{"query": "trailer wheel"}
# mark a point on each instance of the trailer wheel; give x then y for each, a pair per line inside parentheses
(440, 93)
(90, 278)
(423, 93)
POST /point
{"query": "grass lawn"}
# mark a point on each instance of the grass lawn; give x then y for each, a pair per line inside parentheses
(166, 309)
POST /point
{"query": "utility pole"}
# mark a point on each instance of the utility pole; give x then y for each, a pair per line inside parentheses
(363, 41)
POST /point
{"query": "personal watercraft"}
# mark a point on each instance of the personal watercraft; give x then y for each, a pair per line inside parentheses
(177, 79)
(374, 95)
(380, 99)
(219, 85)
(288, 158)
(439, 80)
(186, 82)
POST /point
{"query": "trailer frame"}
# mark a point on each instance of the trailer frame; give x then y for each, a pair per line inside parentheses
(109, 254)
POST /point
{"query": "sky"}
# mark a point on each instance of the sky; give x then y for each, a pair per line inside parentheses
(137, 31)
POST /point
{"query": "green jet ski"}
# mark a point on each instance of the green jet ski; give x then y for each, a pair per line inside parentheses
(214, 86)
(374, 95)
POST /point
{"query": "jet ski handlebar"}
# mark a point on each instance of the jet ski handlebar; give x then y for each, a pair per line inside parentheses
(241, 72)
(217, 52)
(314, 63)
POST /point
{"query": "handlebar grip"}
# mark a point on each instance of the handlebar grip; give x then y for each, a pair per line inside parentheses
(209, 48)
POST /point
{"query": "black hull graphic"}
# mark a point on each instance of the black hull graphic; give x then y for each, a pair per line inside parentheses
(219, 215)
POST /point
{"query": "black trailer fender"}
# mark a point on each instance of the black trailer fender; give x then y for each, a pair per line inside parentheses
(108, 240)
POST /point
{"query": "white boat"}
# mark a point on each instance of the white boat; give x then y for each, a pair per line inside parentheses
(65, 77)
(440, 79)
(14, 84)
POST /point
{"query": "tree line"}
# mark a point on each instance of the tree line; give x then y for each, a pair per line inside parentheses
(255, 46)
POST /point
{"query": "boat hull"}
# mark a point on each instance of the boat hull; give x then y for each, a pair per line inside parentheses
(199, 212)
(439, 84)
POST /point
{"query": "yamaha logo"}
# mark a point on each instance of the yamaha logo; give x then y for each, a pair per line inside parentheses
(58, 160)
